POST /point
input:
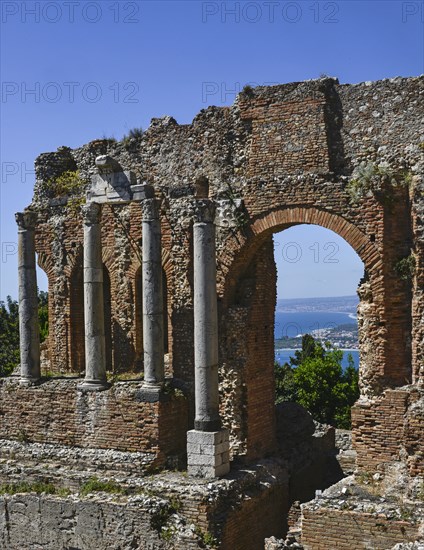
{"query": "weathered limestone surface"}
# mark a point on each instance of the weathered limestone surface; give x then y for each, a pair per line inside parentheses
(208, 453)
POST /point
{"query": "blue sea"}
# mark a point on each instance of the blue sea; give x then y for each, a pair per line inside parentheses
(293, 324)
(298, 323)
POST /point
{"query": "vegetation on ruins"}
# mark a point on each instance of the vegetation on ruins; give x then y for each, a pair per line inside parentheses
(9, 331)
(376, 179)
(67, 184)
(315, 379)
(248, 91)
(94, 485)
(9, 336)
(34, 487)
(134, 133)
(405, 267)
(70, 185)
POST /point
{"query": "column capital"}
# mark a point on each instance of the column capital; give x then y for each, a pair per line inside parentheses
(150, 209)
(26, 220)
(91, 213)
(204, 211)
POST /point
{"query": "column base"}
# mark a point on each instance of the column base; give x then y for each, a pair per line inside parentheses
(151, 393)
(208, 453)
(93, 385)
(208, 425)
(29, 381)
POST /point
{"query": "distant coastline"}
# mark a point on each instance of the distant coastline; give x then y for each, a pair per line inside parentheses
(338, 304)
(332, 320)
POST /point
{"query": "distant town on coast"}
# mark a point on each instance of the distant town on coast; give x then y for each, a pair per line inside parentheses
(327, 319)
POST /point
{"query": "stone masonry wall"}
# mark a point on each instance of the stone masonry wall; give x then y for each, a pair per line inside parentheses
(323, 529)
(118, 418)
(389, 429)
(280, 156)
(162, 511)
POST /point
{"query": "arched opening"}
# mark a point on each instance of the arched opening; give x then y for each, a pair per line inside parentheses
(76, 297)
(107, 306)
(249, 298)
(44, 297)
(318, 274)
(316, 355)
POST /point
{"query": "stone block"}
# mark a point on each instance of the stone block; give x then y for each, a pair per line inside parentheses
(141, 191)
(151, 394)
(194, 448)
(211, 450)
(111, 187)
(208, 471)
(205, 460)
(207, 438)
(208, 453)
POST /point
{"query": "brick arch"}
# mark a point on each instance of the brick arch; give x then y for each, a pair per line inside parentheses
(45, 262)
(74, 259)
(239, 250)
(247, 313)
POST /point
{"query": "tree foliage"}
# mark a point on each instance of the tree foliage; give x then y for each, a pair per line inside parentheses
(9, 336)
(43, 314)
(9, 331)
(315, 379)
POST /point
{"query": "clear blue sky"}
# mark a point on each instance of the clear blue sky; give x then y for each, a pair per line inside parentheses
(100, 68)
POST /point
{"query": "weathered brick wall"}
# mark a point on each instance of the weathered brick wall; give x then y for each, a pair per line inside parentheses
(255, 519)
(323, 529)
(118, 418)
(389, 429)
(260, 395)
(288, 152)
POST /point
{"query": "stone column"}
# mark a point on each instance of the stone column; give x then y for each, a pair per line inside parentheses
(207, 444)
(95, 354)
(29, 331)
(153, 344)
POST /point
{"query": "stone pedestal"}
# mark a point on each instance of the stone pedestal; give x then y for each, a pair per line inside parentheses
(95, 351)
(208, 453)
(29, 331)
(207, 444)
(153, 334)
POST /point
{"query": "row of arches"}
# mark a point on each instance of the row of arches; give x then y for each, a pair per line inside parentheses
(124, 349)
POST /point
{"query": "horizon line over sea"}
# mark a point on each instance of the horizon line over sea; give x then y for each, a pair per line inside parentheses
(312, 315)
